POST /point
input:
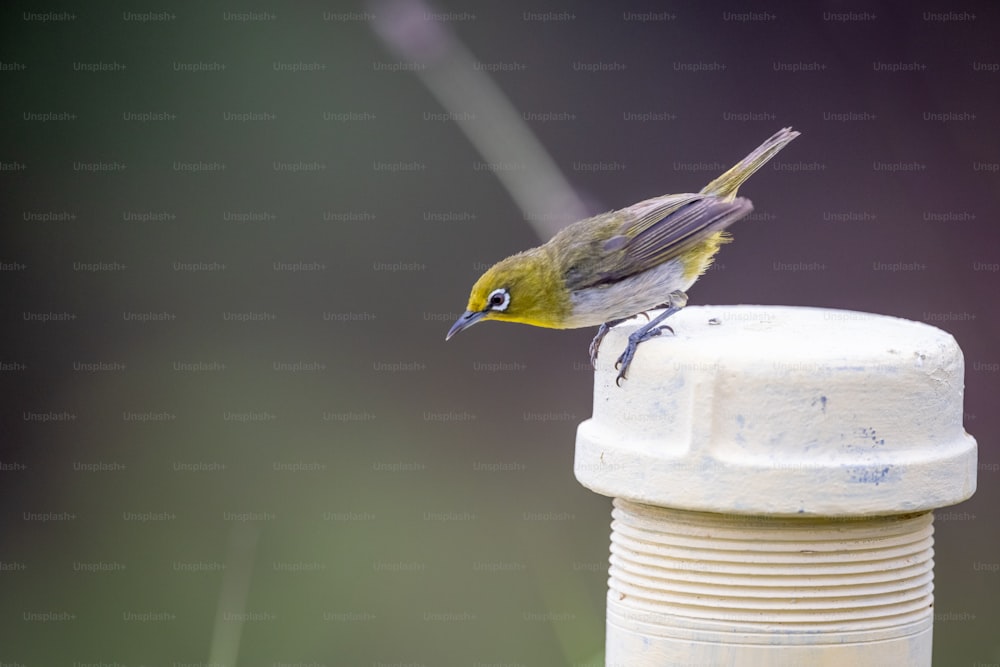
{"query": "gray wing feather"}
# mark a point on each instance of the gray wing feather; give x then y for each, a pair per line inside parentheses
(663, 232)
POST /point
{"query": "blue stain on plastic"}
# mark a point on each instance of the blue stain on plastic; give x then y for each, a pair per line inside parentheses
(871, 435)
(876, 475)
(740, 420)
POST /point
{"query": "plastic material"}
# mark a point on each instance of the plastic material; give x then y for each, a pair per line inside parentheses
(773, 470)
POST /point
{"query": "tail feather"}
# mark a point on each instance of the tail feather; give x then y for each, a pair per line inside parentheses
(727, 184)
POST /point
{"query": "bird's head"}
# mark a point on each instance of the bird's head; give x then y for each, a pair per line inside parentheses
(524, 288)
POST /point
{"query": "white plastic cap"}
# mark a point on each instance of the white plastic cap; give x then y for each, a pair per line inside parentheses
(781, 411)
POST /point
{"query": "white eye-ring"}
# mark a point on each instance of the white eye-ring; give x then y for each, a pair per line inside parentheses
(499, 299)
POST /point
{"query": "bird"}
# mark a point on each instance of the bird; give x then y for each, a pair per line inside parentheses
(611, 267)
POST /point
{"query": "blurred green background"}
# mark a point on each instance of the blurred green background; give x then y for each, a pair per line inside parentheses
(230, 418)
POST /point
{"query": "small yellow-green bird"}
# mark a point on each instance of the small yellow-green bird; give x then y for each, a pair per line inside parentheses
(614, 266)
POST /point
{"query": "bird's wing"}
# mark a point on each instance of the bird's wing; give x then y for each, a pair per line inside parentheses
(654, 232)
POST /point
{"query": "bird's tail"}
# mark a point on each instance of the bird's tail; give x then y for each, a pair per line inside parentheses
(725, 186)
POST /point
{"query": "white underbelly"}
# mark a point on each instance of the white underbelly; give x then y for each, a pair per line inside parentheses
(628, 297)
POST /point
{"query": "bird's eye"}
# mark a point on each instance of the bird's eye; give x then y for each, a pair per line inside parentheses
(499, 299)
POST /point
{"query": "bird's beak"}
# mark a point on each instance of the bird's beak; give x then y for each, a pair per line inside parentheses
(469, 318)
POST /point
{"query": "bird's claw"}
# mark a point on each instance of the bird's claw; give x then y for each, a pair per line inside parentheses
(595, 345)
(625, 359)
(633, 341)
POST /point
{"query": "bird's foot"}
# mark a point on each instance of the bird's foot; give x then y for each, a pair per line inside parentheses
(678, 300)
(625, 360)
(595, 345)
